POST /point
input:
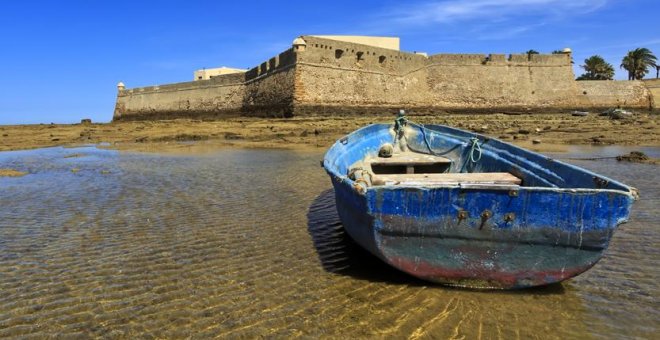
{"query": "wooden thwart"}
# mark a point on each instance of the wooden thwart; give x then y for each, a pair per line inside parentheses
(409, 158)
(447, 179)
(410, 161)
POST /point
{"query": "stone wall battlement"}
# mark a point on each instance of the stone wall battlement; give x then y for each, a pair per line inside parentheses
(352, 55)
(217, 81)
(274, 64)
(534, 60)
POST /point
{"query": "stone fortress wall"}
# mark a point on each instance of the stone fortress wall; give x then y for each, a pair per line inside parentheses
(265, 90)
(654, 88)
(321, 76)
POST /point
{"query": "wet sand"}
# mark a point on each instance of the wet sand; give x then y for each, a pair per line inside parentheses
(540, 132)
(241, 243)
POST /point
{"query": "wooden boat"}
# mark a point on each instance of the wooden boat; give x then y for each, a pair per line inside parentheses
(463, 209)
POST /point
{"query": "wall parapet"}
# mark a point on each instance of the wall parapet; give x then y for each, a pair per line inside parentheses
(281, 61)
(358, 56)
(217, 81)
(512, 59)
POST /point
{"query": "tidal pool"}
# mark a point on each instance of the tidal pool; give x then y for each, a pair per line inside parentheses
(247, 243)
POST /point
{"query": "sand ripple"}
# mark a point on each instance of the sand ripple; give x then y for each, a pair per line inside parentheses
(246, 243)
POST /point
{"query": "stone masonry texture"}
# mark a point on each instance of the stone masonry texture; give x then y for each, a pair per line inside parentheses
(329, 77)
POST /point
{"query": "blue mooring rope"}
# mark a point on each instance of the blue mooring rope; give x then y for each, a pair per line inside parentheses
(401, 121)
(422, 128)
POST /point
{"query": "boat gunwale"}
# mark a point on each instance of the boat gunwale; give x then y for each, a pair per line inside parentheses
(346, 179)
(631, 192)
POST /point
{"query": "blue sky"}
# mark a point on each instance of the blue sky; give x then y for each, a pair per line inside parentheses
(60, 61)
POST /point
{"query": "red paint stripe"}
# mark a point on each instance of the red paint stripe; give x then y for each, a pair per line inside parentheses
(484, 277)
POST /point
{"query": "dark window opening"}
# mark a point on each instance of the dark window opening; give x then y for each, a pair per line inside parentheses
(359, 56)
(339, 53)
(381, 59)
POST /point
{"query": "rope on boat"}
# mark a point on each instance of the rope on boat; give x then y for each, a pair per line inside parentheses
(475, 148)
(422, 128)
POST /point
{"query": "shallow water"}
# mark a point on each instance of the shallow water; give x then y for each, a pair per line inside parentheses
(247, 243)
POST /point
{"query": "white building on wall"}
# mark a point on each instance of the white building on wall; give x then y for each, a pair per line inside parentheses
(209, 73)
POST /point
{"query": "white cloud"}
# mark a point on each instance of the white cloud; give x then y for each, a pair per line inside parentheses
(499, 33)
(478, 19)
(631, 45)
(453, 11)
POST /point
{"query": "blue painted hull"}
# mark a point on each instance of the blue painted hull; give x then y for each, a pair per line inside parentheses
(553, 227)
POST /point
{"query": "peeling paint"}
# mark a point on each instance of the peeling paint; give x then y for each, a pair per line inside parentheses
(562, 221)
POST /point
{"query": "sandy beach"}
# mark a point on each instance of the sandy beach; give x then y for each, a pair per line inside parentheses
(539, 132)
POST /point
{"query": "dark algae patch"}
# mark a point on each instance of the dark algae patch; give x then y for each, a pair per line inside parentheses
(636, 157)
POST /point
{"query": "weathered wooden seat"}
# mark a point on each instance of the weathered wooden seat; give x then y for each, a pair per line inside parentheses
(416, 169)
(409, 158)
(409, 163)
(480, 178)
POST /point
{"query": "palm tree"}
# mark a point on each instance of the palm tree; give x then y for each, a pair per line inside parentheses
(627, 64)
(637, 63)
(597, 69)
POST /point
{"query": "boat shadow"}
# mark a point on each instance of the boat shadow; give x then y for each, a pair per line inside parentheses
(339, 254)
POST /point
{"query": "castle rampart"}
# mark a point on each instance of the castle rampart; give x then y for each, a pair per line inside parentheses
(615, 93)
(325, 76)
(654, 88)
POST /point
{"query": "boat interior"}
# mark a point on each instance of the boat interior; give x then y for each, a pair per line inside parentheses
(417, 169)
(411, 168)
(436, 155)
